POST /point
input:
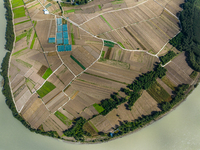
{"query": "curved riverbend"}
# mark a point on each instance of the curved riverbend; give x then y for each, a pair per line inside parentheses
(178, 130)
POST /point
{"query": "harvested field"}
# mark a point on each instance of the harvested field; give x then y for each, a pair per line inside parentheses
(101, 81)
(64, 75)
(43, 29)
(72, 65)
(35, 112)
(180, 61)
(101, 124)
(94, 91)
(177, 75)
(42, 70)
(56, 102)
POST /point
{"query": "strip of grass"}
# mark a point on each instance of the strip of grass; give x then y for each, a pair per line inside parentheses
(117, 2)
(109, 44)
(19, 37)
(102, 54)
(19, 52)
(105, 78)
(98, 108)
(45, 89)
(63, 118)
(34, 5)
(93, 126)
(33, 41)
(168, 83)
(72, 37)
(99, 6)
(121, 44)
(19, 12)
(47, 73)
(70, 11)
(107, 22)
(22, 22)
(16, 3)
(24, 63)
(159, 93)
(77, 62)
(29, 35)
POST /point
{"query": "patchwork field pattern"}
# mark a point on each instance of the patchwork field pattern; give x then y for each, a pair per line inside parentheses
(109, 43)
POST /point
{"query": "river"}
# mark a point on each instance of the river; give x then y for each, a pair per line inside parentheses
(179, 130)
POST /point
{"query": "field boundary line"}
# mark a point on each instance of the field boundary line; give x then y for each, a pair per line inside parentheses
(166, 9)
(113, 11)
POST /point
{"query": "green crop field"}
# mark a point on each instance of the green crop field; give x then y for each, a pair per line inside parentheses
(159, 93)
(98, 108)
(63, 118)
(45, 89)
(77, 62)
(47, 73)
(19, 37)
(109, 44)
(16, 3)
(19, 12)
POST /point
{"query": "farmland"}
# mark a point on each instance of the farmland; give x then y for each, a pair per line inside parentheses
(67, 65)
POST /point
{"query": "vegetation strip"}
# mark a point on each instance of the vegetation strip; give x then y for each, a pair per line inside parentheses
(105, 78)
(63, 118)
(72, 57)
(166, 58)
(22, 22)
(107, 22)
(33, 41)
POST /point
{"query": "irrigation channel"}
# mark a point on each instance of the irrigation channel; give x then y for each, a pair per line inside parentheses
(179, 130)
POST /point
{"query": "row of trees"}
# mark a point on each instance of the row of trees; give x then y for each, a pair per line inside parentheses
(179, 94)
(166, 58)
(80, 2)
(126, 126)
(188, 39)
(9, 36)
(4, 72)
(9, 101)
(76, 130)
(133, 91)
